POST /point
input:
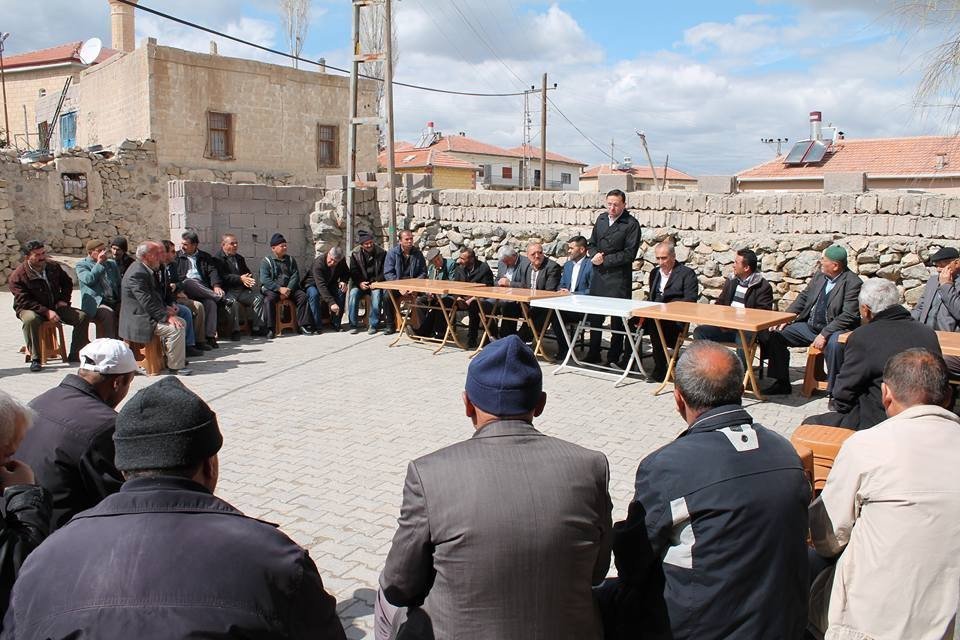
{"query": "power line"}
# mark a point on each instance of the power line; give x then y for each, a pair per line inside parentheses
(194, 25)
(585, 136)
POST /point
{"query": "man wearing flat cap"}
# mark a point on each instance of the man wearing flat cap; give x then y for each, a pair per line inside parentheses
(825, 309)
(280, 280)
(99, 279)
(502, 535)
(366, 267)
(164, 557)
(70, 446)
(939, 306)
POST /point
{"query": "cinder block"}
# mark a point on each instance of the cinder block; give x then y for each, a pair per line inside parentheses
(277, 207)
(263, 192)
(717, 184)
(240, 191)
(608, 182)
(845, 182)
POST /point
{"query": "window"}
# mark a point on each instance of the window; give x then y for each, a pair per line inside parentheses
(68, 130)
(566, 178)
(41, 93)
(74, 191)
(536, 177)
(506, 173)
(219, 136)
(327, 154)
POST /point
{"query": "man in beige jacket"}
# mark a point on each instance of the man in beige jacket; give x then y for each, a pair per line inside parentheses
(891, 505)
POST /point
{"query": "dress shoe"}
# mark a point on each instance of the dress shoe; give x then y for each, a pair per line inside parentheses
(180, 372)
(258, 332)
(658, 376)
(354, 330)
(306, 331)
(592, 358)
(35, 366)
(235, 336)
(471, 342)
(270, 334)
(203, 346)
(193, 352)
(389, 331)
(371, 331)
(777, 388)
(212, 342)
(73, 358)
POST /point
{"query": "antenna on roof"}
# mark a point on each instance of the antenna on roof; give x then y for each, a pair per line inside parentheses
(89, 50)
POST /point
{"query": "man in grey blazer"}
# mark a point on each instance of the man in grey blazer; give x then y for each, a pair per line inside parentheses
(939, 306)
(143, 313)
(536, 272)
(501, 536)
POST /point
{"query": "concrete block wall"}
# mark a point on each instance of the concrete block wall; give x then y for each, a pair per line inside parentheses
(252, 212)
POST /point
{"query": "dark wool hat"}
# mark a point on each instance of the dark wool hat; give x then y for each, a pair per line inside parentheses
(363, 236)
(946, 253)
(276, 239)
(119, 241)
(505, 378)
(165, 426)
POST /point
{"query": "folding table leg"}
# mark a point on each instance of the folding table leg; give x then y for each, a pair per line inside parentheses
(671, 362)
(749, 378)
(394, 298)
(450, 317)
(537, 335)
(633, 341)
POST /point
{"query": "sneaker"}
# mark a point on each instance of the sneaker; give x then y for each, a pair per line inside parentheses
(354, 330)
(389, 331)
(212, 342)
(270, 334)
(371, 330)
(35, 366)
(180, 372)
(193, 352)
(306, 331)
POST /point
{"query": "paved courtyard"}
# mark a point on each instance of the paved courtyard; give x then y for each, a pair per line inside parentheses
(318, 431)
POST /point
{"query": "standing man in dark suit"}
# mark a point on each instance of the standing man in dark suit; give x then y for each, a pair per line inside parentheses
(518, 524)
(538, 273)
(887, 329)
(239, 286)
(825, 309)
(143, 313)
(939, 306)
(469, 269)
(613, 247)
(670, 281)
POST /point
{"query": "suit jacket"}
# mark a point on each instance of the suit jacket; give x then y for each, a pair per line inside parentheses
(516, 532)
(206, 265)
(843, 309)
(327, 280)
(502, 267)
(142, 306)
(359, 271)
(856, 390)
(480, 273)
(548, 279)
(619, 245)
(230, 276)
(584, 277)
(682, 284)
(90, 276)
(946, 309)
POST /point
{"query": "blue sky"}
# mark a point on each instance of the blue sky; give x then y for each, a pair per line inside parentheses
(704, 80)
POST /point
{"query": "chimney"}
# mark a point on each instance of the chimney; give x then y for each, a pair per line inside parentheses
(430, 128)
(213, 47)
(121, 26)
(816, 124)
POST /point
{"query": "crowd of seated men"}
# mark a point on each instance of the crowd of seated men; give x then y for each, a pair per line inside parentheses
(509, 533)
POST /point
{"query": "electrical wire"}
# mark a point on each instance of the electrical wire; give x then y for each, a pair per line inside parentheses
(396, 83)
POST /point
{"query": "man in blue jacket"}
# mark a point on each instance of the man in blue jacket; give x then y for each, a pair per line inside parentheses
(403, 261)
(714, 544)
(576, 277)
(164, 557)
(99, 279)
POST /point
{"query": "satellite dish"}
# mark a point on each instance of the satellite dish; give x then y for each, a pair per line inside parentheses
(89, 50)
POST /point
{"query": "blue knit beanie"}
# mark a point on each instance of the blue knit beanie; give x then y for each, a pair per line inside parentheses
(505, 378)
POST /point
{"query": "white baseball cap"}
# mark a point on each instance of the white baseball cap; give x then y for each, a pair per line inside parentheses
(108, 356)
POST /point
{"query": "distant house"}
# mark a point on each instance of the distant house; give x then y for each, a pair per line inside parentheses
(505, 169)
(930, 163)
(448, 172)
(642, 177)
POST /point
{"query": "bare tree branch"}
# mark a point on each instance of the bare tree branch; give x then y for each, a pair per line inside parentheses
(939, 86)
(296, 20)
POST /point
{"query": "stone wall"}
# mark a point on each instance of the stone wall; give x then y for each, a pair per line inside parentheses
(253, 212)
(9, 246)
(887, 234)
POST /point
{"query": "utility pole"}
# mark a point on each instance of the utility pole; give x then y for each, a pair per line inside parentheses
(3, 82)
(643, 141)
(388, 98)
(543, 134)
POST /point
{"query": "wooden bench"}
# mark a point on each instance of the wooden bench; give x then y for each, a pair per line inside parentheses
(279, 324)
(814, 374)
(151, 355)
(825, 443)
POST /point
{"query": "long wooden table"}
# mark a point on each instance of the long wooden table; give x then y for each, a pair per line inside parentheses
(500, 295)
(743, 321)
(949, 341)
(602, 306)
(436, 292)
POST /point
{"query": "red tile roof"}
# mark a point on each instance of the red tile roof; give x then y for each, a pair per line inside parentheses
(876, 156)
(463, 144)
(534, 152)
(420, 158)
(69, 52)
(636, 172)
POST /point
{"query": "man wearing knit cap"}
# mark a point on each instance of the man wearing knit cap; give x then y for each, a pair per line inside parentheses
(825, 309)
(280, 280)
(939, 306)
(503, 535)
(70, 446)
(164, 557)
(99, 279)
(118, 250)
(366, 267)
